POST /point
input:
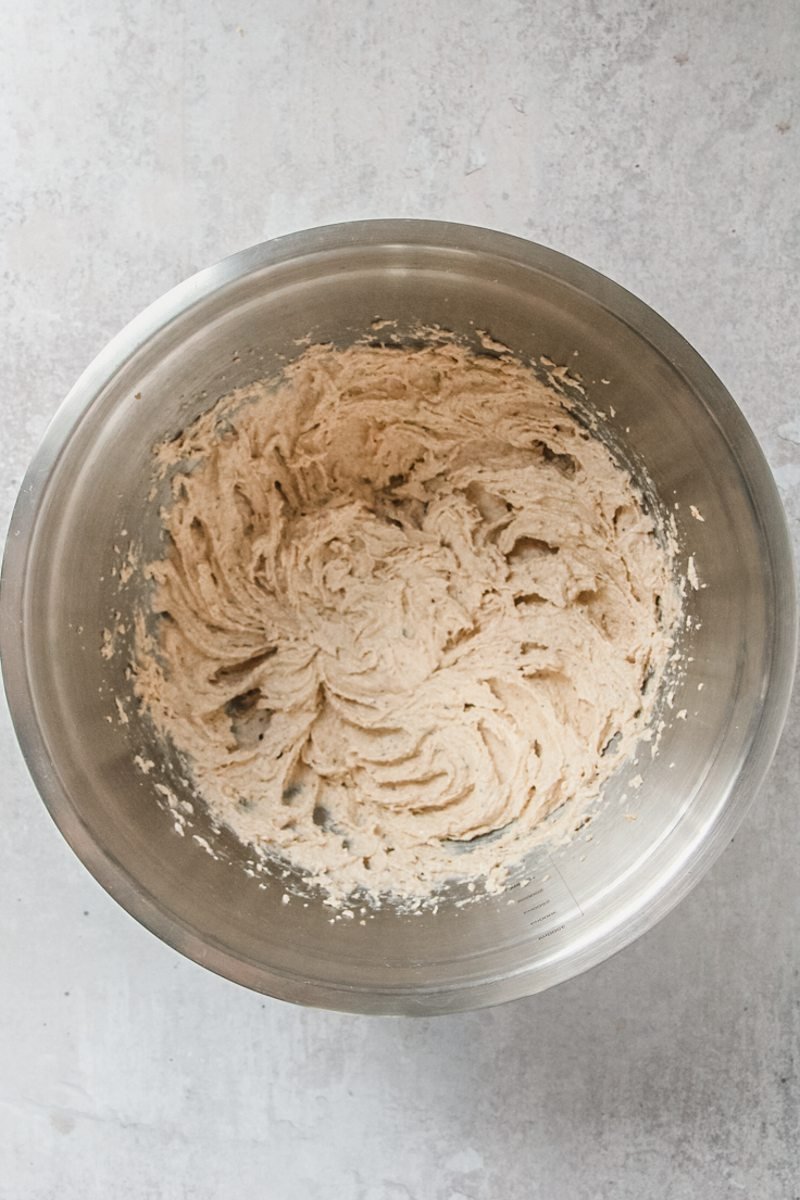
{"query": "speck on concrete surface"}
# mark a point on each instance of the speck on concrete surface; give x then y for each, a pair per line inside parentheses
(657, 142)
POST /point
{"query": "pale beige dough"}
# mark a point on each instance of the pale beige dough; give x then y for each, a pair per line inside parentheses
(410, 601)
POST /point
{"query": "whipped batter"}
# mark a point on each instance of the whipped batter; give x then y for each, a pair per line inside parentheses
(408, 601)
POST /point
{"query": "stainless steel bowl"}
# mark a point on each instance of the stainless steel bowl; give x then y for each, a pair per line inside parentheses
(89, 481)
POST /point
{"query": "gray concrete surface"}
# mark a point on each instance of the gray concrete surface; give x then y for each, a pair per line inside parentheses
(659, 142)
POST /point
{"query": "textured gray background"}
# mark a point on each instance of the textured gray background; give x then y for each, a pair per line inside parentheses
(659, 142)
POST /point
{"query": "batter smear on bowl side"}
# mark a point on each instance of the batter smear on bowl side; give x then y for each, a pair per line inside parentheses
(407, 601)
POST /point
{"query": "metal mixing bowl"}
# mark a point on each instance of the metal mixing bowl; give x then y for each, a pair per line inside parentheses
(89, 480)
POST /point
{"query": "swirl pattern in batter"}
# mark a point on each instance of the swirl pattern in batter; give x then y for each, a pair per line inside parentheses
(408, 601)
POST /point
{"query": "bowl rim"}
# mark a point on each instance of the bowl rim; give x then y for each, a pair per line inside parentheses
(699, 853)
